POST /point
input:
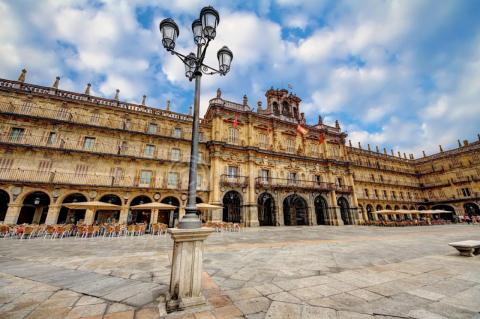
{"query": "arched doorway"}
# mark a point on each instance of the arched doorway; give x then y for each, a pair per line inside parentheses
(321, 210)
(345, 211)
(266, 210)
(422, 207)
(232, 207)
(370, 212)
(72, 216)
(471, 209)
(34, 209)
(295, 210)
(140, 216)
(166, 217)
(404, 207)
(4, 200)
(445, 216)
(108, 216)
(388, 207)
(396, 207)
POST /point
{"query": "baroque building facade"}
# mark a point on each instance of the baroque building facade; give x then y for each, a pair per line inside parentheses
(266, 167)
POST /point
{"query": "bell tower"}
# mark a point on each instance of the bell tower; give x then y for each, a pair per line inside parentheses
(283, 104)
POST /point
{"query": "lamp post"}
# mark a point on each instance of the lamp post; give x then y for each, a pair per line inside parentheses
(186, 273)
(204, 31)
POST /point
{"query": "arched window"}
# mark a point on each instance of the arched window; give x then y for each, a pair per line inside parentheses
(276, 110)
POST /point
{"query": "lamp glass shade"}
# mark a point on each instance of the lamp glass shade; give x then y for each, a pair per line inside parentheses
(197, 30)
(210, 19)
(225, 57)
(170, 32)
(190, 65)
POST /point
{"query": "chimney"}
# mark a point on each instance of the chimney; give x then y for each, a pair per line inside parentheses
(399, 154)
(87, 89)
(465, 142)
(168, 105)
(376, 147)
(337, 125)
(57, 81)
(350, 143)
(459, 144)
(190, 111)
(424, 155)
(359, 145)
(369, 149)
(22, 76)
(391, 151)
(384, 151)
(219, 93)
(144, 100)
(441, 148)
(320, 122)
(117, 95)
(404, 155)
(245, 100)
(259, 106)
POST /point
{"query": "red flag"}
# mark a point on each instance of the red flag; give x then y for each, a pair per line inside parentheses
(235, 121)
(321, 139)
(302, 130)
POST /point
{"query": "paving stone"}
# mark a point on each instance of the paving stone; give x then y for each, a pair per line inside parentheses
(243, 293)
(285, 297)
(120, 315)
(147, 313)
(353, 315)
(282, 310)
(314, 292)
(426, 294)
(219, 301)
(227, 312)
(87, 311)
(253, 305)
(204, 315)
(365, 294)
(424, 314)
(267, 289)
(118, 307)
(88, 300)
(49, 313)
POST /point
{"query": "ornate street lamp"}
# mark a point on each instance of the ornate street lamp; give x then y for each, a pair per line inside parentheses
(204, 30)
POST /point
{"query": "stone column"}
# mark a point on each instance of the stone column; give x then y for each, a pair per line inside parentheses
(336, 215)
(216, 215)
(52, 215)
(187, 267)
(123, 219)
(251, 209)
(89, 217)
(37, 216)
(154, 216)
(13, 212)
(311, 218)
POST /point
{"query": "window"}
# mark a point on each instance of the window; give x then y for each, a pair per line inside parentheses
(44, 166)
(117, 175)
(149, 150)
(81, 170)
(232, 171)
(63, 112)
(409, 195)
(290, 145)
(172, 179)
(95, 118)
(394, 196)
(366, 192)
(16, 134)
(339, 181)
(127, 123)
(372, 177)
(27, 107)
(385, 194)
(52, 137)
(6, 163)
(145, 177)
(88, 143)
(232, 135)
(123, 147)
(152, 128)
(200, 157)
(175, 156)
(292, 177)
(265, 175)
(318, 179)
(401, 195)
(199, 181)
(466, 192)
(263, 140)
(376, 193)
(177, 132)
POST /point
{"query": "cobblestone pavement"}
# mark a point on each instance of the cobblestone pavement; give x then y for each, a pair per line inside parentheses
(282, 272)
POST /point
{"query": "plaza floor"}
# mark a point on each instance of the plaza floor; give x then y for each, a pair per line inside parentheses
(282, 272)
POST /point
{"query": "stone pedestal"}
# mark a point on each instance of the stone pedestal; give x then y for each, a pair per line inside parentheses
(187, 266)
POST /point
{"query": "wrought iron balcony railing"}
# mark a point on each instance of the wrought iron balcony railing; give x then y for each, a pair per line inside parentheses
(269, 182)
(233, 180)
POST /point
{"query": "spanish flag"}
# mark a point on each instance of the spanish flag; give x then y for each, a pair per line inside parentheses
(321, 139)
(235, 121)
(302, 130)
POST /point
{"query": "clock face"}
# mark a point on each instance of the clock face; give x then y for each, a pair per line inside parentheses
(93, 194)
(16, 190)
(156, 196)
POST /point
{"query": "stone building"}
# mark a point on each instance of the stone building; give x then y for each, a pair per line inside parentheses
(265, 166)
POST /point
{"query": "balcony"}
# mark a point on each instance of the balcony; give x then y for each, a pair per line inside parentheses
(233, 180)
(343, 189)
(78, 117)
(111, 148)
(92, 180)
(386, 182)
(286, 183)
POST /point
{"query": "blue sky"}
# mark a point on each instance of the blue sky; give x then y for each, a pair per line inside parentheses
(398, 74)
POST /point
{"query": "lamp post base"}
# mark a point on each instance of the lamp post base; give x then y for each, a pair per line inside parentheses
(187, 265)
(190, 220)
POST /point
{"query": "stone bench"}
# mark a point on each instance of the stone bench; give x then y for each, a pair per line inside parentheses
(467, 248)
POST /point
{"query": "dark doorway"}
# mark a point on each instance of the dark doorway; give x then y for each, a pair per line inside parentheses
(4, 200)
(295, 210)
(34, 209)
(108, 216)
(232, 207)
(345, 211)
(445, 216)
(370, 212)
(72, 216)
(471, 209)
(167, 217)
(321, 210)
(140, 216)
(266, 210)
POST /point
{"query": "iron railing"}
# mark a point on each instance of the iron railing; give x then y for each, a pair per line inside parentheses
(233, 180)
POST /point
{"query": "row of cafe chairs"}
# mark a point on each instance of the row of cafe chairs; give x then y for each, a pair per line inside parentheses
(403, 223)
(224, 226)
(28, 231)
